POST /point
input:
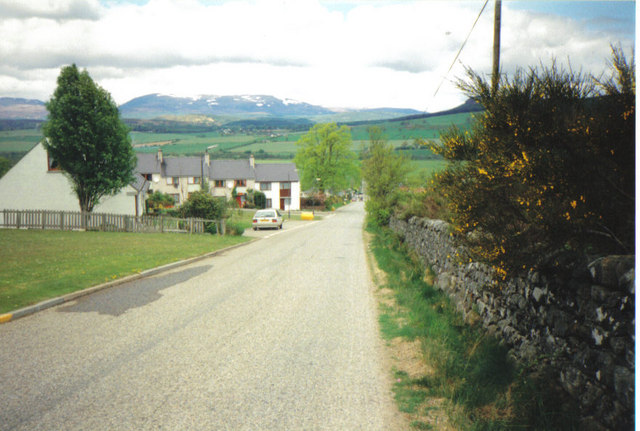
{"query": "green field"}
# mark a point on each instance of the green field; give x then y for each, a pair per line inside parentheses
(83, 259)
(408, 130)
(267, 146)
(19, 141)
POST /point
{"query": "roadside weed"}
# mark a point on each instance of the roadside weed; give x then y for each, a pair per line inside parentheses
(469, 381)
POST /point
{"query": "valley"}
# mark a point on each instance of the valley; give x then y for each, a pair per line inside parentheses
(263, 126)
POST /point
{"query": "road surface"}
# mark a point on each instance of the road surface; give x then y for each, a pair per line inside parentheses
(280, 334)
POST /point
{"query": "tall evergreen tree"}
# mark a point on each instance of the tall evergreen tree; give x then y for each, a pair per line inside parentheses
(85, 136)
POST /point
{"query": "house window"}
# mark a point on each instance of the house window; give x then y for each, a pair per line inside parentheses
(148, 177)
(268, 203)
(265, 186)
(219, 183)
(241, 183)
(193, 180)
(52, 165)
(173, 180)
(285, 190)
(176, 197)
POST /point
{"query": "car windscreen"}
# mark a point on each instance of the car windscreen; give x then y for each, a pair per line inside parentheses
(265, 214)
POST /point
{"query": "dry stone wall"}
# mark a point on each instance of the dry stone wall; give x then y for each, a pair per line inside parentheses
(578, 322)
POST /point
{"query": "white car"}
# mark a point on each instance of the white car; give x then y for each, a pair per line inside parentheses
(269, 218)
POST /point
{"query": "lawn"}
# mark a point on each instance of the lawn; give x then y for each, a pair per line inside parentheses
(38, 265)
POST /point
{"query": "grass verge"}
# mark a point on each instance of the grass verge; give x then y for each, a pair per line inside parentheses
(467, 380)
(39, 265)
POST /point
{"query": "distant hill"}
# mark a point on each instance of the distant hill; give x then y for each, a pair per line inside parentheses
(246, 111)
(469, 106)
(158, 105)
(244, 107)
(23, 109)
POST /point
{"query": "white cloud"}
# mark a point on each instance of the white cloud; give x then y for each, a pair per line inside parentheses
(54, 9)
(358, 54)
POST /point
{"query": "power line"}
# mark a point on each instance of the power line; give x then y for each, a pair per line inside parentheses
(461, 47)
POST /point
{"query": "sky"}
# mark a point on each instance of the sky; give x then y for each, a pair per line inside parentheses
(333, 53)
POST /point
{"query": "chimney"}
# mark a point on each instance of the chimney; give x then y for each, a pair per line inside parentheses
(207, 160)
(252, 161)
(160, 155)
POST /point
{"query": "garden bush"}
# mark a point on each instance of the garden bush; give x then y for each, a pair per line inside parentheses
(549, 166)
(202, 205)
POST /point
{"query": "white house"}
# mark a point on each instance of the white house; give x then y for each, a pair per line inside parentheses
(180, 176)
(33, 184)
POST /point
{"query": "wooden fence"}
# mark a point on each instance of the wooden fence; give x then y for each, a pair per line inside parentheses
(65, 220)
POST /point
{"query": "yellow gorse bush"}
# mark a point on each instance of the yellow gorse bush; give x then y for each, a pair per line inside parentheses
(548, 165)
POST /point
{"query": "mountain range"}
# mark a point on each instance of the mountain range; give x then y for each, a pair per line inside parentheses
(244, 106)
(23, 109)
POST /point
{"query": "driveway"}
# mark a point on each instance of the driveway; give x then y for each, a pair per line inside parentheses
(280, 334)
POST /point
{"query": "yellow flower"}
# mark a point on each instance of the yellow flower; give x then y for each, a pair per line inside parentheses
(574, 204)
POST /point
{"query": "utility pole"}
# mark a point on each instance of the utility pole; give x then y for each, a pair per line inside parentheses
(496, 46)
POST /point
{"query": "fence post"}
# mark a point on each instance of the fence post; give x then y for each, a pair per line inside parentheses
(18, 217)
(61, 220)
(43, 215)
(161, 225)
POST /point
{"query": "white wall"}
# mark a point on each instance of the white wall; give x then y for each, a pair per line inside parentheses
(274, 195)
(30, 186)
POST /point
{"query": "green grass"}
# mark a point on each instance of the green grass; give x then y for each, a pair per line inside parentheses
(422, 128)
(483, 388)
(19, 141)
(191, 143)
(38, 265)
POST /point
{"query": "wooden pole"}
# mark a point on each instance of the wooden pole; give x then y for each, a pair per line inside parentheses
(495, 78)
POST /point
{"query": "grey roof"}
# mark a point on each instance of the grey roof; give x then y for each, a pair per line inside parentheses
(183, 166)
(148, 163)
(170, 167)
(192, 166)
(271, 172)
(231, 170)
(139, 183)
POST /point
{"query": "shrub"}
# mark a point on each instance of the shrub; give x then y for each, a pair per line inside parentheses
(548, 166)
(383, 172)
(235, 228)
(421, 203)
(313, 201)
(158, 201)
(255, 199)
(333, 202)
(202, 205)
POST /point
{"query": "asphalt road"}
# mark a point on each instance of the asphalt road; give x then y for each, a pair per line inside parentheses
(280, 334)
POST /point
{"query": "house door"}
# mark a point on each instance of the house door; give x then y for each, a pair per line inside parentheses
(282, 204)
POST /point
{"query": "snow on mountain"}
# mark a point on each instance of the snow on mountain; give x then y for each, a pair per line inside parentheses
(156, 105)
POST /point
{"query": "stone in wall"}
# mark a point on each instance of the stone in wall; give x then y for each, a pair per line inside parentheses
(579, 321)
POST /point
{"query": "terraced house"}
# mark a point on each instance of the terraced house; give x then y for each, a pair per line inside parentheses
(181, 176)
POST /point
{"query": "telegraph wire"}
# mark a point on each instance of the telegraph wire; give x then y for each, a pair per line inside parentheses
(461, 47)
